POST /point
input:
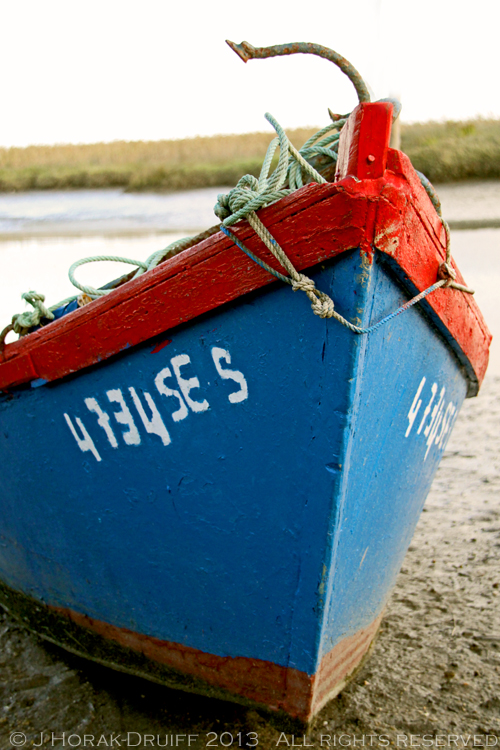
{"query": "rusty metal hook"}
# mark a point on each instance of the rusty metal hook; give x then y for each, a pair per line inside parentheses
(248, 52)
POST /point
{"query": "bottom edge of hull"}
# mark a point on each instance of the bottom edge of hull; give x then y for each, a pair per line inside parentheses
(256, 683)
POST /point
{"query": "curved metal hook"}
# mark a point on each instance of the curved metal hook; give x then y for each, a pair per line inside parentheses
(248, 52)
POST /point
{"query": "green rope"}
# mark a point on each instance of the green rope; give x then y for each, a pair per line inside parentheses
(250, 194)
(292, 172)
(23, 321)
(292, 169)
(90, 290)
(142, 266)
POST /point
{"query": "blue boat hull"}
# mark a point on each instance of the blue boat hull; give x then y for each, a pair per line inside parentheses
(245, 486)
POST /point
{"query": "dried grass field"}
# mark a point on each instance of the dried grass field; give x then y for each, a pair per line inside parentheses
(445, 152)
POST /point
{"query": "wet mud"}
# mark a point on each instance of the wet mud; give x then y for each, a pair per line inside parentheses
(432, 680)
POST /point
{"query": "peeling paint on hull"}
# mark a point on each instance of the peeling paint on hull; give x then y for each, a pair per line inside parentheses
(252, 682)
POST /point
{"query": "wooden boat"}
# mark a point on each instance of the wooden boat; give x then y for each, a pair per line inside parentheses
(207, 485)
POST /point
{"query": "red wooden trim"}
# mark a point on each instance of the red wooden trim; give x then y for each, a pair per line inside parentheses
(393, 214)
(19, 369)
(414, 251)
(193, 282)
(364, 141)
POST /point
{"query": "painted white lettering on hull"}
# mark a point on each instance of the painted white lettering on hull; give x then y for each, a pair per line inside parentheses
(149, 414)
(85, 443)
(187, 384)
(437, 418)
(103, 420)
(417, 403)
(182, 412)
(155, 425)
(237, 396)
(131, 436)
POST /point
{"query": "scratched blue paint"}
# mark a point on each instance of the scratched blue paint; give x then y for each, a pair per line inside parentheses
(38, 382)
(271, 527)
(386, 475)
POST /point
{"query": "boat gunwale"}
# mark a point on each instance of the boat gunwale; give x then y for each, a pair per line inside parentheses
(366, 213)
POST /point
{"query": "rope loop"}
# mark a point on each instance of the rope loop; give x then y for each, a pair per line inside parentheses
(250, 194)
(90, 290)
(294, 169)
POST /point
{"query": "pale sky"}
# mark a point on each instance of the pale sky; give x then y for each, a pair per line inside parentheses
(104, 70)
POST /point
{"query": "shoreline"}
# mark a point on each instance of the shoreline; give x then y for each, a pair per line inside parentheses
(110, 230)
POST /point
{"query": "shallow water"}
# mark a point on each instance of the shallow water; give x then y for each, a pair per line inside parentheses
(42, 233)
(62, 212)
(42, 263)
(477, 253)
(462, 201)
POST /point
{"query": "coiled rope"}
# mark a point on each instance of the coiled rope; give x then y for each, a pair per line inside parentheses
(250, 194)
(294, 169)
(242, 201)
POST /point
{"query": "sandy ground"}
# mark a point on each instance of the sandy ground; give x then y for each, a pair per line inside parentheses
(433, 678)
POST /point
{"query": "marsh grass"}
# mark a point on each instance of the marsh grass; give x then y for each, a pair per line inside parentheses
(443, 151)
(452, 151)
(138, 165)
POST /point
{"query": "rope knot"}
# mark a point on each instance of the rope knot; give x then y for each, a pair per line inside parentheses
(305, 284)
(249, 195)
(322, 306)
(221, 209)
(446, 272)
(22, 322)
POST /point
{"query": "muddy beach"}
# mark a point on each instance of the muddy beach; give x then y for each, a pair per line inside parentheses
(433, 676)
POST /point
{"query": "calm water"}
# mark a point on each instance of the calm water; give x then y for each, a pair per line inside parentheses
(42, 233)
(470, 201)
(105, 212)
